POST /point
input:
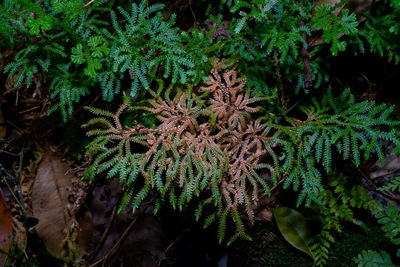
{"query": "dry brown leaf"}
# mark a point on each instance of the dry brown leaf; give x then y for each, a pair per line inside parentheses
(391, 165)
(5, 227)
(264, 215)
(50, 204)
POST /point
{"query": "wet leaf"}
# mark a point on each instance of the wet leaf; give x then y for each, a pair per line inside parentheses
(50, 205)
(293, 227)
(5, 228)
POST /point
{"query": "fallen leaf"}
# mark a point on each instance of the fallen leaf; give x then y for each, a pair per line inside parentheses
(264, 215)
(391, 165)
(50, 202)
(293, 227)
(5, 228)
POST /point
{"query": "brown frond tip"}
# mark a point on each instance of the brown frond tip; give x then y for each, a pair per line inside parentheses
(230, 102)
(226, 83)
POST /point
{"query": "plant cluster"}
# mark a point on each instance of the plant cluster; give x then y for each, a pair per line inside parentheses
(201, 144)
(224, 133)
(339, 203)
(214, 145)
(389, 218)
(76, 49)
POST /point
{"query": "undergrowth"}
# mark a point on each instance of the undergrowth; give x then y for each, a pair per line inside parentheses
(224, 113)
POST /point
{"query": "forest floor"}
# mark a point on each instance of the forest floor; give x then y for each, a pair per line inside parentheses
(36, 150)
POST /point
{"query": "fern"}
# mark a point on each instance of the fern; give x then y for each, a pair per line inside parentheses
(184, 157)
(338, 203)
(390, 220)
(145, 42)
(392, 186)
(68, 87)
(208, 143)
(371, 258)
(334, 26)
(258, 10)
(351, 128)
(205, 141)
(381, 30)
(389, 217)
(91, 55)
(60, 33)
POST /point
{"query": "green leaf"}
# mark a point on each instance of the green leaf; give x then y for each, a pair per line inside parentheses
(35, 24)
(370, 258)
(293, 227)
(77, 54)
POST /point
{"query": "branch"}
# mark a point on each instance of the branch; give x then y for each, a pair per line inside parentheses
(88, 4)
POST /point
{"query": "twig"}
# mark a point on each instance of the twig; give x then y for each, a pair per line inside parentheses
(15, 126)
(390, 196)
(386, 81)
(279, 77)
(18, 176)
(191, 10)
(82, 106)
(19, 197)
(28, 110)
(293, 106)
(122, 238)
(9, 153)
(10, 189)
(306, 60)
(176, 240)
(88, 4)
(105, 234)
(306, 57)
(278, 184)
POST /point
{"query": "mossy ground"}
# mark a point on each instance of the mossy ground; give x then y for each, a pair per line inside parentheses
(272, 250)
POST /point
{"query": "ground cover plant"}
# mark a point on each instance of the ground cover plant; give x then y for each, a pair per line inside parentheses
(228, 110)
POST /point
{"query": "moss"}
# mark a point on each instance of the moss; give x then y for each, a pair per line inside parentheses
(352, 241)
(270, 249)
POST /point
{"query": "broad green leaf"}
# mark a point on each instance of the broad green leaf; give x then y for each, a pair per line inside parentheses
(293, 227)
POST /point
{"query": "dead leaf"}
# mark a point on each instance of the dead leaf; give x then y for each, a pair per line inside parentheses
(50, 202)
(5, 227)
(264, 215)
(391, 165)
